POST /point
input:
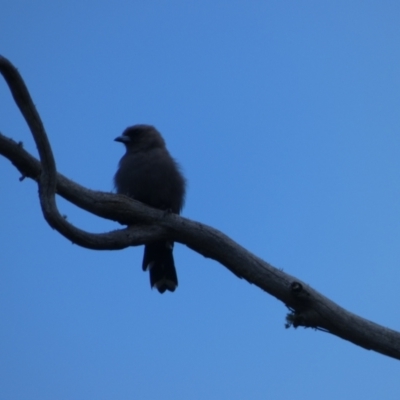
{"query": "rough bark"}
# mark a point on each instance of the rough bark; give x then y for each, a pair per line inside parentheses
(307, 307)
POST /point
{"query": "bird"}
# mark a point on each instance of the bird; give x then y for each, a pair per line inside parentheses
(148, 173)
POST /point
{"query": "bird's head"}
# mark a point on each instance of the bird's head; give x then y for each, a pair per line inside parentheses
(141, 137)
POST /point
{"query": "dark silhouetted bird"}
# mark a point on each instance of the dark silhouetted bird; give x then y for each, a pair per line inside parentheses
(149, 174)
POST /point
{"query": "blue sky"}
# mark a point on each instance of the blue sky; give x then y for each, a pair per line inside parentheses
(285, 118)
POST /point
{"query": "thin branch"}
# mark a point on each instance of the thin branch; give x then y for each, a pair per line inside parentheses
(123, 209)
(47, 176)
(308, 308)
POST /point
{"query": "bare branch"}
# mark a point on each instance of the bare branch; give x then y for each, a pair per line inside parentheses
(123, 209)
(308, 308)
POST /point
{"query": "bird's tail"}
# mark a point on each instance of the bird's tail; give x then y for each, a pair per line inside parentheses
(159, 260)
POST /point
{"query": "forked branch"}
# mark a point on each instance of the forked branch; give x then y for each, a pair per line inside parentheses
(308, 308)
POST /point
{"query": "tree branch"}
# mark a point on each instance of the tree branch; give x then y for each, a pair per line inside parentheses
(308, 308)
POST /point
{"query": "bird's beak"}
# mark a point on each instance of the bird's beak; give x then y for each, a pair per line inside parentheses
(122, 139)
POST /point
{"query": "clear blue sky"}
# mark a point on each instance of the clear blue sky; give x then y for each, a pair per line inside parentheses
(285, 117)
